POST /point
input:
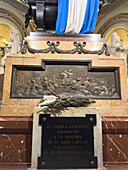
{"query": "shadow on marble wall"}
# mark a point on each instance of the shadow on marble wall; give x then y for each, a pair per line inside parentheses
(1, 86)
(118, 50)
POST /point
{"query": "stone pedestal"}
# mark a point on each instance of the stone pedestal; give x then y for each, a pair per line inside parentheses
(68, 112)
(12, 106)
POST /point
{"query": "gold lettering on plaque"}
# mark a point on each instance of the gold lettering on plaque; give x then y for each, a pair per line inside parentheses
(56, 142)
(67, 132)
(64, 142)
(67, 141)
(49, 127)
(49, 142)
(78, 126)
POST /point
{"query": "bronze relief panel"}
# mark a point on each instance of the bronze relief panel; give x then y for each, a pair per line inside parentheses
(71, 78)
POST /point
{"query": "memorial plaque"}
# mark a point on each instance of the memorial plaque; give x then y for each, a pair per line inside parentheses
(65, 78)
(67, 142)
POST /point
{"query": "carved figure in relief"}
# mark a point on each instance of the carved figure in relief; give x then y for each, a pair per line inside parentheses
(87, 83)
(55, 82)
(40, 87)
(69, 73)
(51, 85)
(79, 82)
(33, 89)
(70, 76)
(103, 89)
(117, 49)
(12, 49)
(112, 91)
(19, 90)
(3, 60)
(15, 42)
(28, 89)
(80, 86)
(115, 39)
(64, 78)
(45, 83)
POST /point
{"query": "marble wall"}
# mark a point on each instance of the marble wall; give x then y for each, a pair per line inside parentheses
(16, 141)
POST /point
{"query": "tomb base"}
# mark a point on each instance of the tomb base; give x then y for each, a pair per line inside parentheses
(68, 112)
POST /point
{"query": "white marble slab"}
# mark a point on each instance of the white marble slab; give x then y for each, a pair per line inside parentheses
(69, 112)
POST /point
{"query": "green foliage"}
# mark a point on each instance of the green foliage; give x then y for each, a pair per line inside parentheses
(42, 100)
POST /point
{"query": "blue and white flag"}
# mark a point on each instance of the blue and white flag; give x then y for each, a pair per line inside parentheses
(77, 16)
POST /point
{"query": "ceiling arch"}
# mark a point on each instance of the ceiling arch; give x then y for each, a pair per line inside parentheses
(17, 4)
(12, 16)
(118, 15)
(110, 5)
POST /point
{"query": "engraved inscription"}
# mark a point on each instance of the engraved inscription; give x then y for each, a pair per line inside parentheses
(67, 142)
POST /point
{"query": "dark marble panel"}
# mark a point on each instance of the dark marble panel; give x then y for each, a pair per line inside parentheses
(15, 125)
(16, 141)
(115, 125)
(13, 167)
(15, 148)
(24, 167)
(115, 148)
(117, 167)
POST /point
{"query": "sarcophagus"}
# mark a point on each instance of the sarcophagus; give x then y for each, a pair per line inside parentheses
(44, 13)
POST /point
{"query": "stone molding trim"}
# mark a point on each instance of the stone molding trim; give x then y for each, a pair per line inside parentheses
(53, 48)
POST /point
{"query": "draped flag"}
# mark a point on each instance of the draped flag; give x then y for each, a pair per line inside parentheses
(76, 16)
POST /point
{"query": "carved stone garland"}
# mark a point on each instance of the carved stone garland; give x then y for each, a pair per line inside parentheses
(53, 47)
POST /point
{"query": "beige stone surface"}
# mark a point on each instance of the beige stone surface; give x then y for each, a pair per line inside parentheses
(13, 107)
(91, 45)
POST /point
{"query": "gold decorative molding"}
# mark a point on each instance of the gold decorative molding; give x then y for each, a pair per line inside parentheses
(5, 30)
(116, 21)
(15, 19)
(33, 25)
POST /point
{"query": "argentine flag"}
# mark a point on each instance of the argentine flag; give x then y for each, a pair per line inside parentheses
(76, 16)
